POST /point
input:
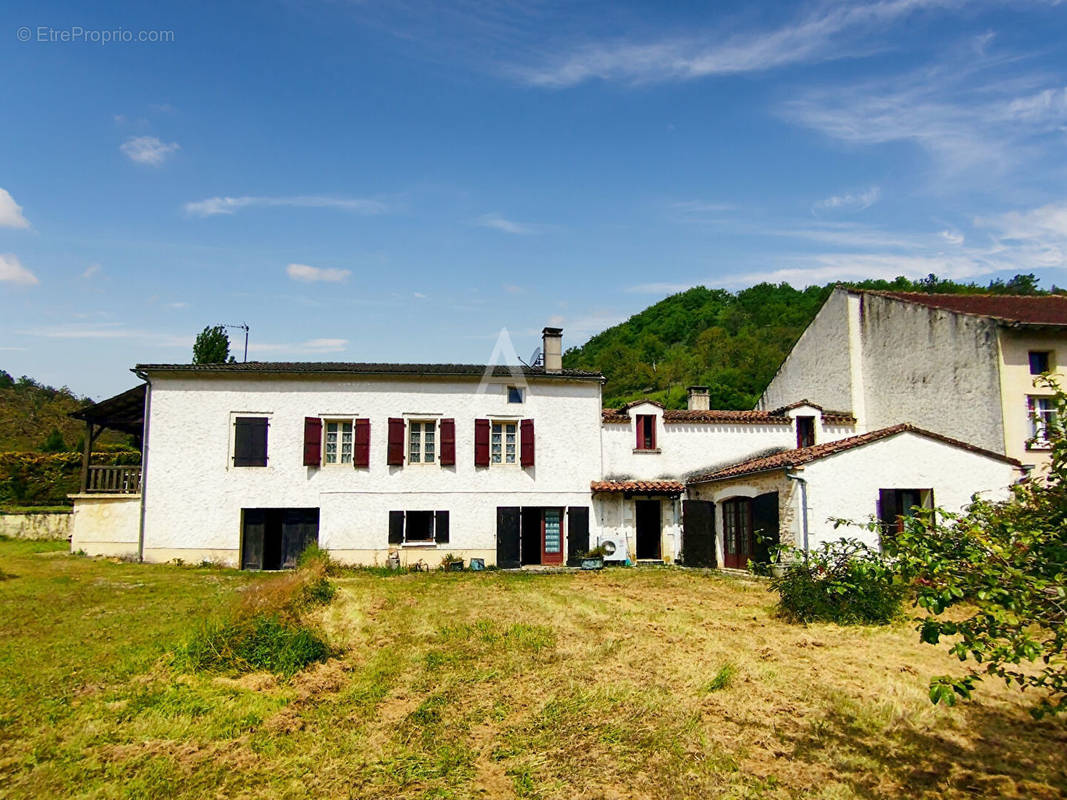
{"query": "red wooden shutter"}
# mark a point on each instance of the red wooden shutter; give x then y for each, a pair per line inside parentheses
(639, 426)
(395, 456)
(652, 430)
(312, 441)
(361, 441)
(526, 431)
(448, 442)
(481, 443)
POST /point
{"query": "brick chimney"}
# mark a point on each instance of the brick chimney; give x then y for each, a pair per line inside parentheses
(552, 349)
(699, 400)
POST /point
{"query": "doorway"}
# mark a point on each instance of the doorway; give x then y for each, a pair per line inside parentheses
(737, 533)
(647, 519)
(530, 535)
(274, 538)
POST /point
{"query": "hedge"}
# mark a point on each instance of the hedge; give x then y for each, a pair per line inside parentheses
(33, 479)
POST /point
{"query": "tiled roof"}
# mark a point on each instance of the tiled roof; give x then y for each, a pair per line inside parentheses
(1012, 309)
(639, 487)
(350, 368)
(804, 455)
(615, 416)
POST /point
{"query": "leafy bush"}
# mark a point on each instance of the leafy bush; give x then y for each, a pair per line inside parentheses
(842, 581)
(47, 478)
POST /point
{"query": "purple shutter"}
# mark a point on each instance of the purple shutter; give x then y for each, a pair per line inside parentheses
(396, 442)
(526, 431)
(448, 442)
(481, 443)
(361, 442)
(312, 441)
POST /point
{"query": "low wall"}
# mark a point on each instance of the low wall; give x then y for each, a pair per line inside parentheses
(36, 525)
(106, 524)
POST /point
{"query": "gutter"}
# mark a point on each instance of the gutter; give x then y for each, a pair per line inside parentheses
(144, 460)
(803, 504)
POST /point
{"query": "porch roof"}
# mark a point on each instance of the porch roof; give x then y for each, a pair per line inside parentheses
(123, 412)
(638, 487)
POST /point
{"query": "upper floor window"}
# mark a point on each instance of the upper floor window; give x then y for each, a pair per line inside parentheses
(646, 431)
(1040, 362)
(250, 441)
(503, 442)
(515, 394)
(338, 442)
(1042, 419)
(805, 431)
(422, 442)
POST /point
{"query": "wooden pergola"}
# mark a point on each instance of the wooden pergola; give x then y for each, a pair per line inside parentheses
(124, 413)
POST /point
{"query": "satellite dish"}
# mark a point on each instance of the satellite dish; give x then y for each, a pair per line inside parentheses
(535, 357)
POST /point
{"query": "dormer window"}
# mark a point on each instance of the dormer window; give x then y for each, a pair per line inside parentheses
(805, 431)
(646, 431)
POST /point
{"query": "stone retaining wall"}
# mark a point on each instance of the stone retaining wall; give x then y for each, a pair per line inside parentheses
(43, 525)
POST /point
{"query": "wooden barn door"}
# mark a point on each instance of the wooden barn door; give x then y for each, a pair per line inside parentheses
(698, 533)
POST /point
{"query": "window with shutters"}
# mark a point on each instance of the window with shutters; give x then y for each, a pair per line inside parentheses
(896, 506)
(422, 442)
(250, 441)
(418, 527)
(646, 432)
(337, 441)
(504, 443)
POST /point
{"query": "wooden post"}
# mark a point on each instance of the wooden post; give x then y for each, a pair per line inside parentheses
(87, 452)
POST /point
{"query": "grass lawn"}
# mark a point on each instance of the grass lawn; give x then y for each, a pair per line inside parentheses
(648, 683)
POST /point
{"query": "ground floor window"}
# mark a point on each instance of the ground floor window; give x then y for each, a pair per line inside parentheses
(895, 506)
(418, 527)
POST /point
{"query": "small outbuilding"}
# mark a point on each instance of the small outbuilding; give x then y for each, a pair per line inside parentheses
(795, 496)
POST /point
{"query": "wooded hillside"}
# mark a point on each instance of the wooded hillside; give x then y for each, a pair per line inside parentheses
(731, 342)
(31, 414)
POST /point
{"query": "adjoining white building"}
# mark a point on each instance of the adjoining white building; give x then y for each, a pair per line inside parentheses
(247, 464)
(961, 365)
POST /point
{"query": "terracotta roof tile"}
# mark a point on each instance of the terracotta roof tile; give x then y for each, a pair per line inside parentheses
(804, 455)
(616, 416)
(639, 487)
(1012, 309)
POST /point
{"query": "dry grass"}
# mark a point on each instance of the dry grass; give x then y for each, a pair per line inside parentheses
(622, 684)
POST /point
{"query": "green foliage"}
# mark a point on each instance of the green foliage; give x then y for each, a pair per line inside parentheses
(842, 581)
(722, 679)
(54, 443)
(249, 645)
(212, 346)
(1005, 563)
(36, 479)
(730, 342)
(268, 628)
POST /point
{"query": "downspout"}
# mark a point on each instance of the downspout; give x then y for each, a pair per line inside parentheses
(803, 505)
(144, 460)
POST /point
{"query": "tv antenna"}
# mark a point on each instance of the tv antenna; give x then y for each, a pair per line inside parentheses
(244, 327)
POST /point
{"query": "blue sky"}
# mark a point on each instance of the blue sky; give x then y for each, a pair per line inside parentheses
(397, 181)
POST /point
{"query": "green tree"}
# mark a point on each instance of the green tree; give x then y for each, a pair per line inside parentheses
(1004, 564)
(212, 346)
(54, 443)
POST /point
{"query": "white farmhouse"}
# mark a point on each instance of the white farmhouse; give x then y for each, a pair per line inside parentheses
(247, 464)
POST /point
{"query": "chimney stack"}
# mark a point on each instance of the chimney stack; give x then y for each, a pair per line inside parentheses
(552, 349)
(699, 399)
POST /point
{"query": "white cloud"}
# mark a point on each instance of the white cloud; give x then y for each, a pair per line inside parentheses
(499, 223)
(178, 305)
(11, 212)
(309, 346)
(832, 32)
(108, 330)
(852, 201)
(12, 271)
(952, 237)
(91, 270)
(148, 150)
(212, 206)
(303, 272)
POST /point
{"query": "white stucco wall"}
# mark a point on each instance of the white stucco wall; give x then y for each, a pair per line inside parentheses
(845, 486)
(818, 367)
(105, 525)
(194, 495)
(933, 368)
(615, 518)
